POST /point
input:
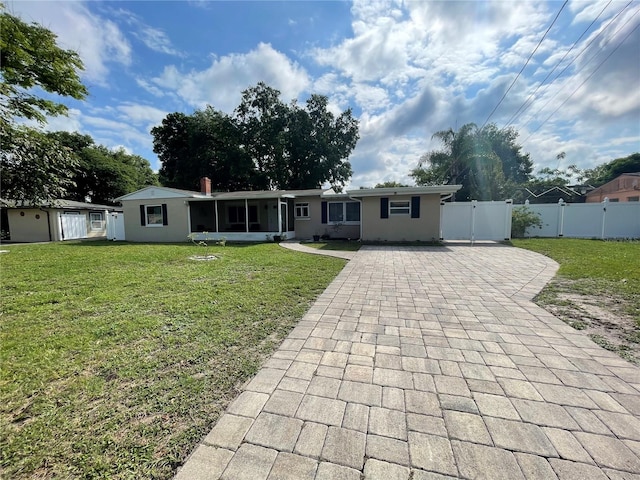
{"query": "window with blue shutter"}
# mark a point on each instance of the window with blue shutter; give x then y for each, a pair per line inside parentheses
(415, 207)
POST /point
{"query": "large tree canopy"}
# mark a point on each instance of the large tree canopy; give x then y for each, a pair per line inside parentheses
(608, 171)
(102, 175)
(487, 162)
(265, 144)
(30, 58)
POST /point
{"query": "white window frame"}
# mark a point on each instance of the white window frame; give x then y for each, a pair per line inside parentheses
(401, 207)
(146, 216)
(302, 210)
(344, 220)
(96, 224)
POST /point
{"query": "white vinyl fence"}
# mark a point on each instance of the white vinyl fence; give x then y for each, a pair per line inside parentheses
(115, 226)
(587, 220)
(475, 220)
(492, 220)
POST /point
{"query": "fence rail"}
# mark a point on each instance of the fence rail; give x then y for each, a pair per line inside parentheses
(492, 220)
(587, 220)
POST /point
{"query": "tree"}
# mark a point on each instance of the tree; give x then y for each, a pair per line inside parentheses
(102, 175)
(35, 168)
(30, 57)
(390, 184)
(316, 146)
(206, 143)
(608, 171)
(484, 161)
(265, 144)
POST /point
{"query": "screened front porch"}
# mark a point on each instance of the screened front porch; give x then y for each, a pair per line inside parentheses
(242, 219)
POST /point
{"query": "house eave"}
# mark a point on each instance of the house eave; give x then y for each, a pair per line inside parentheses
(396, 191)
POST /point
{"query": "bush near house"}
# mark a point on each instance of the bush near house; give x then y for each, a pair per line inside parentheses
(116, 359)
(521, 219)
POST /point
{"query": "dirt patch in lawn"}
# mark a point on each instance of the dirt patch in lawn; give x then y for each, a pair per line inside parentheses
(604, 317)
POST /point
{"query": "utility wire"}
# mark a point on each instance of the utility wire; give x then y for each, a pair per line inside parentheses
(586, 63)
(525, 64)
(585, 81)
(526, 103)
(577, 57)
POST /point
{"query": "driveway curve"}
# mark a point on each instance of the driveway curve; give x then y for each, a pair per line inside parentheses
(432, 363)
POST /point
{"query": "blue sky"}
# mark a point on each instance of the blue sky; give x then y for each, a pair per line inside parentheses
(407, 69)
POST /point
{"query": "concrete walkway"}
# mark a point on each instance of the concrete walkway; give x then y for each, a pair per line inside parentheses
(432, 363)
(299, 247)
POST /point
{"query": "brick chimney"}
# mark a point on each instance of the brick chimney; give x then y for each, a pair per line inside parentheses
(205, 186)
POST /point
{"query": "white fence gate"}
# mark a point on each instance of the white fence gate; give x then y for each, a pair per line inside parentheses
(115, 226)
(73, 226)
(587, 220)
(475, 220)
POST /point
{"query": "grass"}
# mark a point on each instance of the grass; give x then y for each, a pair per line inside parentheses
(595, 266)
(595, 272)
(116, 359)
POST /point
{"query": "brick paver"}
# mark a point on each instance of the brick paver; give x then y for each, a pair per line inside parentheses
(431, 363)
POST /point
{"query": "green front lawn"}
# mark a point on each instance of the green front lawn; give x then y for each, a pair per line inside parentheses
(116, 359)
(597, 289)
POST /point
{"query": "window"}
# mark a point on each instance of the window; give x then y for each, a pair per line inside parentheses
(340, 212)
(614, 200)
(336, 212)
(96, 220)
(633, 199)
(397, 207)
(302, 210)
(153, 215)
(353, 211)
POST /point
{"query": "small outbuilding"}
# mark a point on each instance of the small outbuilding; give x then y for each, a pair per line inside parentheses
(55, 221)
(162, 214)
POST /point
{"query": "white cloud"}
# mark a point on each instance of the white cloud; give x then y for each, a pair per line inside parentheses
(99, 41)
(154, 38)
(220, 84)
(142, 114)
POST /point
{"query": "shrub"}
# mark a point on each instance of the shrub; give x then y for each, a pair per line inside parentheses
(523, 218)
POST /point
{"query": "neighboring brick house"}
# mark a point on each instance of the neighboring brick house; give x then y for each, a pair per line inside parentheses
(625, 188)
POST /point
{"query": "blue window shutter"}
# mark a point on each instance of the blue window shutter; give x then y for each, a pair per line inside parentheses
(164, 214)
(384, 207)
(324, 212)
(143, 219)
(415, 207)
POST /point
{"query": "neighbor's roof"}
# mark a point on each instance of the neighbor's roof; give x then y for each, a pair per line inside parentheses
(60, 204)
(392, 191)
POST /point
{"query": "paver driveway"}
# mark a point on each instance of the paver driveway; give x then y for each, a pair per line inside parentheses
(432, 363)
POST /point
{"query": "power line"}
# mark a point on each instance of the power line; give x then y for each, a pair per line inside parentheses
(525, 65)
(585, 81)
(524, 106)
(578, 56)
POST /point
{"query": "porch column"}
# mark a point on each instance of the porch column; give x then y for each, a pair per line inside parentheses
(279, 217)
(215, 203)
(246, 215)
